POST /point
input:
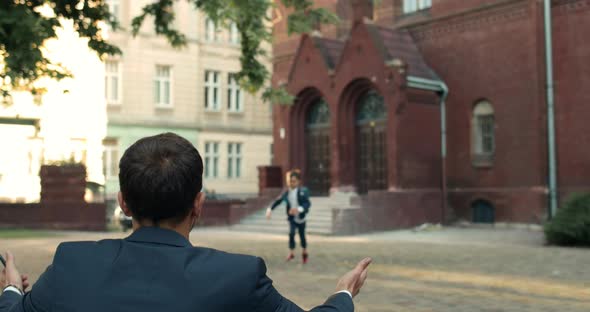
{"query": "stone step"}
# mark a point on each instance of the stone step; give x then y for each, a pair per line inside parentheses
(275, 219)
(311, 217)
(319, 220)
(279, 229)
(264, 222)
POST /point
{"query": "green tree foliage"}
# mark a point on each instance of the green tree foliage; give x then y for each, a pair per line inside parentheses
(24, 29)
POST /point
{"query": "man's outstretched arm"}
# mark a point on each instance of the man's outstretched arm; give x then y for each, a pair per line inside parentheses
(268, 299)
(13, 299)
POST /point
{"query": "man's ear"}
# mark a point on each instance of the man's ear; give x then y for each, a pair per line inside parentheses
(198, 205)
(123, 205)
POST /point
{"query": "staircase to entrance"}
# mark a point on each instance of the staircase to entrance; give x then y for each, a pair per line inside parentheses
(319, 218)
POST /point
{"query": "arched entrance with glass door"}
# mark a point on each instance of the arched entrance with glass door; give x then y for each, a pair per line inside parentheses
(317, 146)
(371, 127)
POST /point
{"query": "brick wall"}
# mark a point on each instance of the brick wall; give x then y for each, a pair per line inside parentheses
(218, 212)
(572, 79)
(449, 7)
(516, 205)
(385, 210)
(62, 204)
(419, 139)
(20, 214)
(496, 55)
(486, 50)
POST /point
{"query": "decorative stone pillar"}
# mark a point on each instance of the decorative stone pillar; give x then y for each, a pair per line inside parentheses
(269, 177)
(362, 9)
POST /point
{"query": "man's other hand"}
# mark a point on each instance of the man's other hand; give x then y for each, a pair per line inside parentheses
(11, 276)
(293, 211)
(354, 280)
(268, 214)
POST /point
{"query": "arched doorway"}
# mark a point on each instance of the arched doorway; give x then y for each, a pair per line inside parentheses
(483, 212)
(371, 117)
(317, 145)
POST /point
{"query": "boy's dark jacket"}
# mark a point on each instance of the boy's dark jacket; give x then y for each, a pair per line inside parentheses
(302, 199)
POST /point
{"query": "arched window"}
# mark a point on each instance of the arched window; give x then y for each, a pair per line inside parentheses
(371, 107)
(317, 148)
(371, 124)
(483, 134)
(319, 113)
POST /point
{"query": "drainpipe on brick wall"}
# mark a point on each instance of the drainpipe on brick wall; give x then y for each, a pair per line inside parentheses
(550, 112)
(441, 88)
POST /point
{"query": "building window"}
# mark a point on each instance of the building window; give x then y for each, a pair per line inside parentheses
(110, 158)
(272, 153)
(234, 94)
(483, 132)
(234, 160)
(114, 8)
(113, 82)
(78, 151)
(210, 30)
(411, 6)
(212, 90)
(163, 86)
(211, 159)
(234, 34)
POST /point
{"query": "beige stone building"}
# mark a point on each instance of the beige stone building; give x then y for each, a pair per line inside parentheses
(64, 124)
(154, 88)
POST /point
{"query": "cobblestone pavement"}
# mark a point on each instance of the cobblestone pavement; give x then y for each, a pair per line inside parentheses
(450, 270)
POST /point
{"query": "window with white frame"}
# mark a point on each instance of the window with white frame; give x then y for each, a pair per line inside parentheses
(235, 97)
(163, 86)
(483, 132)
(210, 30)
(113, 82)
(212, 98)
(234, 160)
(411, 6)
(78, 150)
(234, 34)
(110, 158)
(114, 8)
(211, 159)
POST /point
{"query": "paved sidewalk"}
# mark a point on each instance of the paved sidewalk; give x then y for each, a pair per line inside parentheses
(450, 270)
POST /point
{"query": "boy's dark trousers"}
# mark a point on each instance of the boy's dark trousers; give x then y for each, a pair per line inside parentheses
(301, 228)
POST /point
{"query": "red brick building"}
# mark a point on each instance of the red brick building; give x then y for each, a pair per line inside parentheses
(369, 110)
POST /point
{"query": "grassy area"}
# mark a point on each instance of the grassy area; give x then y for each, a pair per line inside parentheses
(25, 233)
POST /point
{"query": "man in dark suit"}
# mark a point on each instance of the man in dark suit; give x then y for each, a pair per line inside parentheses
(297, 203)
(156, 268)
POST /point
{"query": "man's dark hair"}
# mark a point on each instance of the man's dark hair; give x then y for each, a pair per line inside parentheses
(160, 177)
(296, 175)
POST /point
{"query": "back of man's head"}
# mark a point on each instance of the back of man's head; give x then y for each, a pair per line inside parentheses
(160, 177)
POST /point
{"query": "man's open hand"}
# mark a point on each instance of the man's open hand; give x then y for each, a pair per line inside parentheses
(11, 276)
(354, 280)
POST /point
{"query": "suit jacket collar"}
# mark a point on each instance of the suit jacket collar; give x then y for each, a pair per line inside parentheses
(157, 235)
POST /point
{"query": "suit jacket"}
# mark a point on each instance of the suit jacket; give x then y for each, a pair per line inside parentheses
(155, 270)
(302, 199)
